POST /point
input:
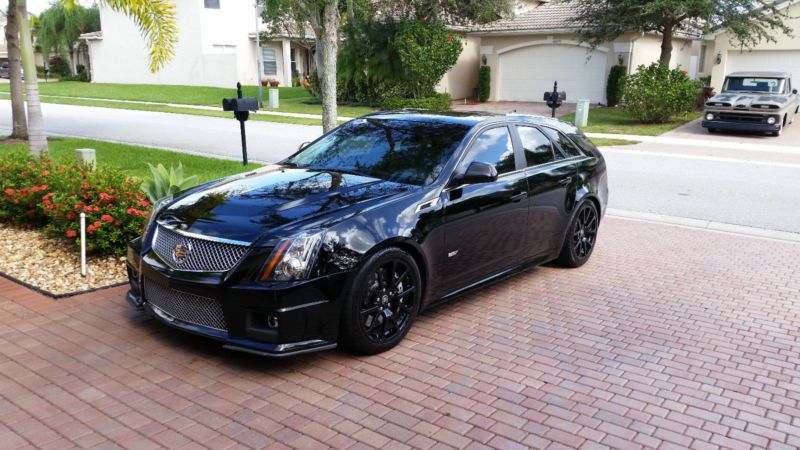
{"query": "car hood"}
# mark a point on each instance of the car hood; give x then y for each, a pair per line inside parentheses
(746, 101)
(246, 207)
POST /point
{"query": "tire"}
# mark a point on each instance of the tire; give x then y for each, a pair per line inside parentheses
(378, 310)
(712, 130)
(778, 133)
(581, 236)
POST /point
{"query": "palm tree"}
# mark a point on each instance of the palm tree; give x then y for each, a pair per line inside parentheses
(20, 122)
(155, 19)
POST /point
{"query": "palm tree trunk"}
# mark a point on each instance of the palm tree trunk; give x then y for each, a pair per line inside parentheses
(18, 119)
(36, 137)
(330, 47)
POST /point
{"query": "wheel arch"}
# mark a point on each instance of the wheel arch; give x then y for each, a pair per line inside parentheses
(407, 245)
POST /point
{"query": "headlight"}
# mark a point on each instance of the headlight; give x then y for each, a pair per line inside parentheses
(710, 116)
(771, 120)
(157, 206)
(293, 258)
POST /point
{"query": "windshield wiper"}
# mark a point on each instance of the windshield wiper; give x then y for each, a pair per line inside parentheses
(342, 171)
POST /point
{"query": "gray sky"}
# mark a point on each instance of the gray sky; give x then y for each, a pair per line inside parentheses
(37, 6)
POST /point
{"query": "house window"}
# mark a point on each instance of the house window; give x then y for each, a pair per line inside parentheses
(702, 68)
(212, 4)
(270, 58)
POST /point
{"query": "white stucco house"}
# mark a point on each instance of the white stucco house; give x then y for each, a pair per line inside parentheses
(783, 55)
(538, 45)
(216, 47)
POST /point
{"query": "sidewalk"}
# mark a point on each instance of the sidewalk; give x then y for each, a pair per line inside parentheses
(787, 149)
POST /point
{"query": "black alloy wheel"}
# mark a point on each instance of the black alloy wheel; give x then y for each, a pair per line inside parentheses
(384, 300)
(581, 236)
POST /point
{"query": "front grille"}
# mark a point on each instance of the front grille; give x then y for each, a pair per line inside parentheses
(194, 309)
(742, 118)
(198, 255)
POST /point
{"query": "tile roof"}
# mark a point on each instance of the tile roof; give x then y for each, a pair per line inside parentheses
(549, 16)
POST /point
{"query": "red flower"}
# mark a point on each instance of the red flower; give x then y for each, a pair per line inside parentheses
(10, 191)
(70, 215)
(450, 38)
(143, 203)
(43, 187)
(107, 218)
(23, 191)
(45, 173)
(98, 224)
(71, 233)
(91, 228)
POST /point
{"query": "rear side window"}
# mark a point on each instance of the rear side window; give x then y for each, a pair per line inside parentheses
(538, 148)
(494, 147)
(568, 149)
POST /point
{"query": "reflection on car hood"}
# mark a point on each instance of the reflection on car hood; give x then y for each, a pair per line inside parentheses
(745, 100)
(245, 208)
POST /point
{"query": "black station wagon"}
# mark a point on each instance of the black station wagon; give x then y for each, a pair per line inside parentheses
(346, 241)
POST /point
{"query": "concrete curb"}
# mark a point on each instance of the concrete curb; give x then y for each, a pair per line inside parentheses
(719, 227)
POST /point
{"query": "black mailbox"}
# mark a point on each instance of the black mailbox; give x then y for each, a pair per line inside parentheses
(555, 98)
(240, 104)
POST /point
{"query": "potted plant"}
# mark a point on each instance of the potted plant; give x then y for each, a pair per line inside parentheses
(265, 82)
(274, 83)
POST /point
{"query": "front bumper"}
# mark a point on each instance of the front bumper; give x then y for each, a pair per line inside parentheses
(740, 126)
(267, 319)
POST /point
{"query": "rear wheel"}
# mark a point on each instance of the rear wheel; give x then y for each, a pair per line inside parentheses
(382, 303)
(712, 130)
(581, 236)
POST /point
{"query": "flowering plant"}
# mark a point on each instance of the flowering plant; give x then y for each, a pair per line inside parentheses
(42, 193)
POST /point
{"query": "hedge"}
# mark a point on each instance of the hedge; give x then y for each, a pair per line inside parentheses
(438, 102)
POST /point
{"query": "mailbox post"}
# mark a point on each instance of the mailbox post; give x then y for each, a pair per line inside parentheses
(555, 99)
(241, 107)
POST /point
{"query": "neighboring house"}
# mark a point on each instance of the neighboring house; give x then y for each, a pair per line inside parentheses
(3, 44)
(538, 46)
(780, 56)
(216, 47)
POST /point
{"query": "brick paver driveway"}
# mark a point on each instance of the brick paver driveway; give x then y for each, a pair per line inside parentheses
(669, 338)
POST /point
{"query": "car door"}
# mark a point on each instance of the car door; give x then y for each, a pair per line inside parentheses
(485, 223)
(552, 176)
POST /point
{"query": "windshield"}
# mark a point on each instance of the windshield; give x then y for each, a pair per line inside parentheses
(751, 84)
(403, 151)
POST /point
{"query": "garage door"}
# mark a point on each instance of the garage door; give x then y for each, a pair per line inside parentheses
(526, 73)
(765, 60)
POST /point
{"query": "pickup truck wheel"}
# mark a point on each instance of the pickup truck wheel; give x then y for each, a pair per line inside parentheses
(778, 133)
(712, 130)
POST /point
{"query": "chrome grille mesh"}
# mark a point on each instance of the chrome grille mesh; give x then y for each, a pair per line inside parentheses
(199, 255)
(194, 309)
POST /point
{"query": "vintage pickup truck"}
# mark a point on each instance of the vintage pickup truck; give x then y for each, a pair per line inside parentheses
(753, 101)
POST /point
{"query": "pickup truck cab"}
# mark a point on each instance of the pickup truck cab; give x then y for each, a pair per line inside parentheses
(753, 101)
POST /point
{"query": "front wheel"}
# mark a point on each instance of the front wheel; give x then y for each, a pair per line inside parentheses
(581, 236)
(382, 303)
(778, 133)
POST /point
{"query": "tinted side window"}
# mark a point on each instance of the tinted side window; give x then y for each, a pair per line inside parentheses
(538, 149)
(568, 149)
(494, 147)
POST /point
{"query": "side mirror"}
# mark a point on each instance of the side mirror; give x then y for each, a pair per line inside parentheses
(303, 145)
(479, 172)
(794, 92)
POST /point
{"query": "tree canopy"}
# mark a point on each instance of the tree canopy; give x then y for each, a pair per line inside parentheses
(748, 21)
(59, 27)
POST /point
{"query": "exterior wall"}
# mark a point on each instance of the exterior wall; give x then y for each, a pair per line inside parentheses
(723, 47)
(462, 80)
(214, 48)
(647, 49)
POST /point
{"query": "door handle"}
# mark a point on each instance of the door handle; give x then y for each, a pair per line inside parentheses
(565, 181)
(519, 197)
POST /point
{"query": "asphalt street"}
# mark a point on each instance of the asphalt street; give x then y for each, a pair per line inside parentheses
(266, 141)
(757, 190)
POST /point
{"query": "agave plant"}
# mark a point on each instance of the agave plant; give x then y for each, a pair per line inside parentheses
(166, 181)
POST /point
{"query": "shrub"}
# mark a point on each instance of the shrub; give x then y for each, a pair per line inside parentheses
(656, 94)
(436, 102)
(615, 88)
(313, 84)
(484, 83)
(59, 67)
(427, 51)
(167, 182)
(37, 192)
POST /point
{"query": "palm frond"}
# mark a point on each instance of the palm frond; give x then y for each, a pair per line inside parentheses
(156, 20)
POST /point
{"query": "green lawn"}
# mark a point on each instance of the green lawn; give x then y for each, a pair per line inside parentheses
(292, 99)
(601, 142)
(617, 121)
(133, 159)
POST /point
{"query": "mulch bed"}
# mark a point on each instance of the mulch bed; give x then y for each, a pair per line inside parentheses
(53, 267)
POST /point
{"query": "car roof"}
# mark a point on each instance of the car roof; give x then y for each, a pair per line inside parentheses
(472, 118)
(761, 74)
